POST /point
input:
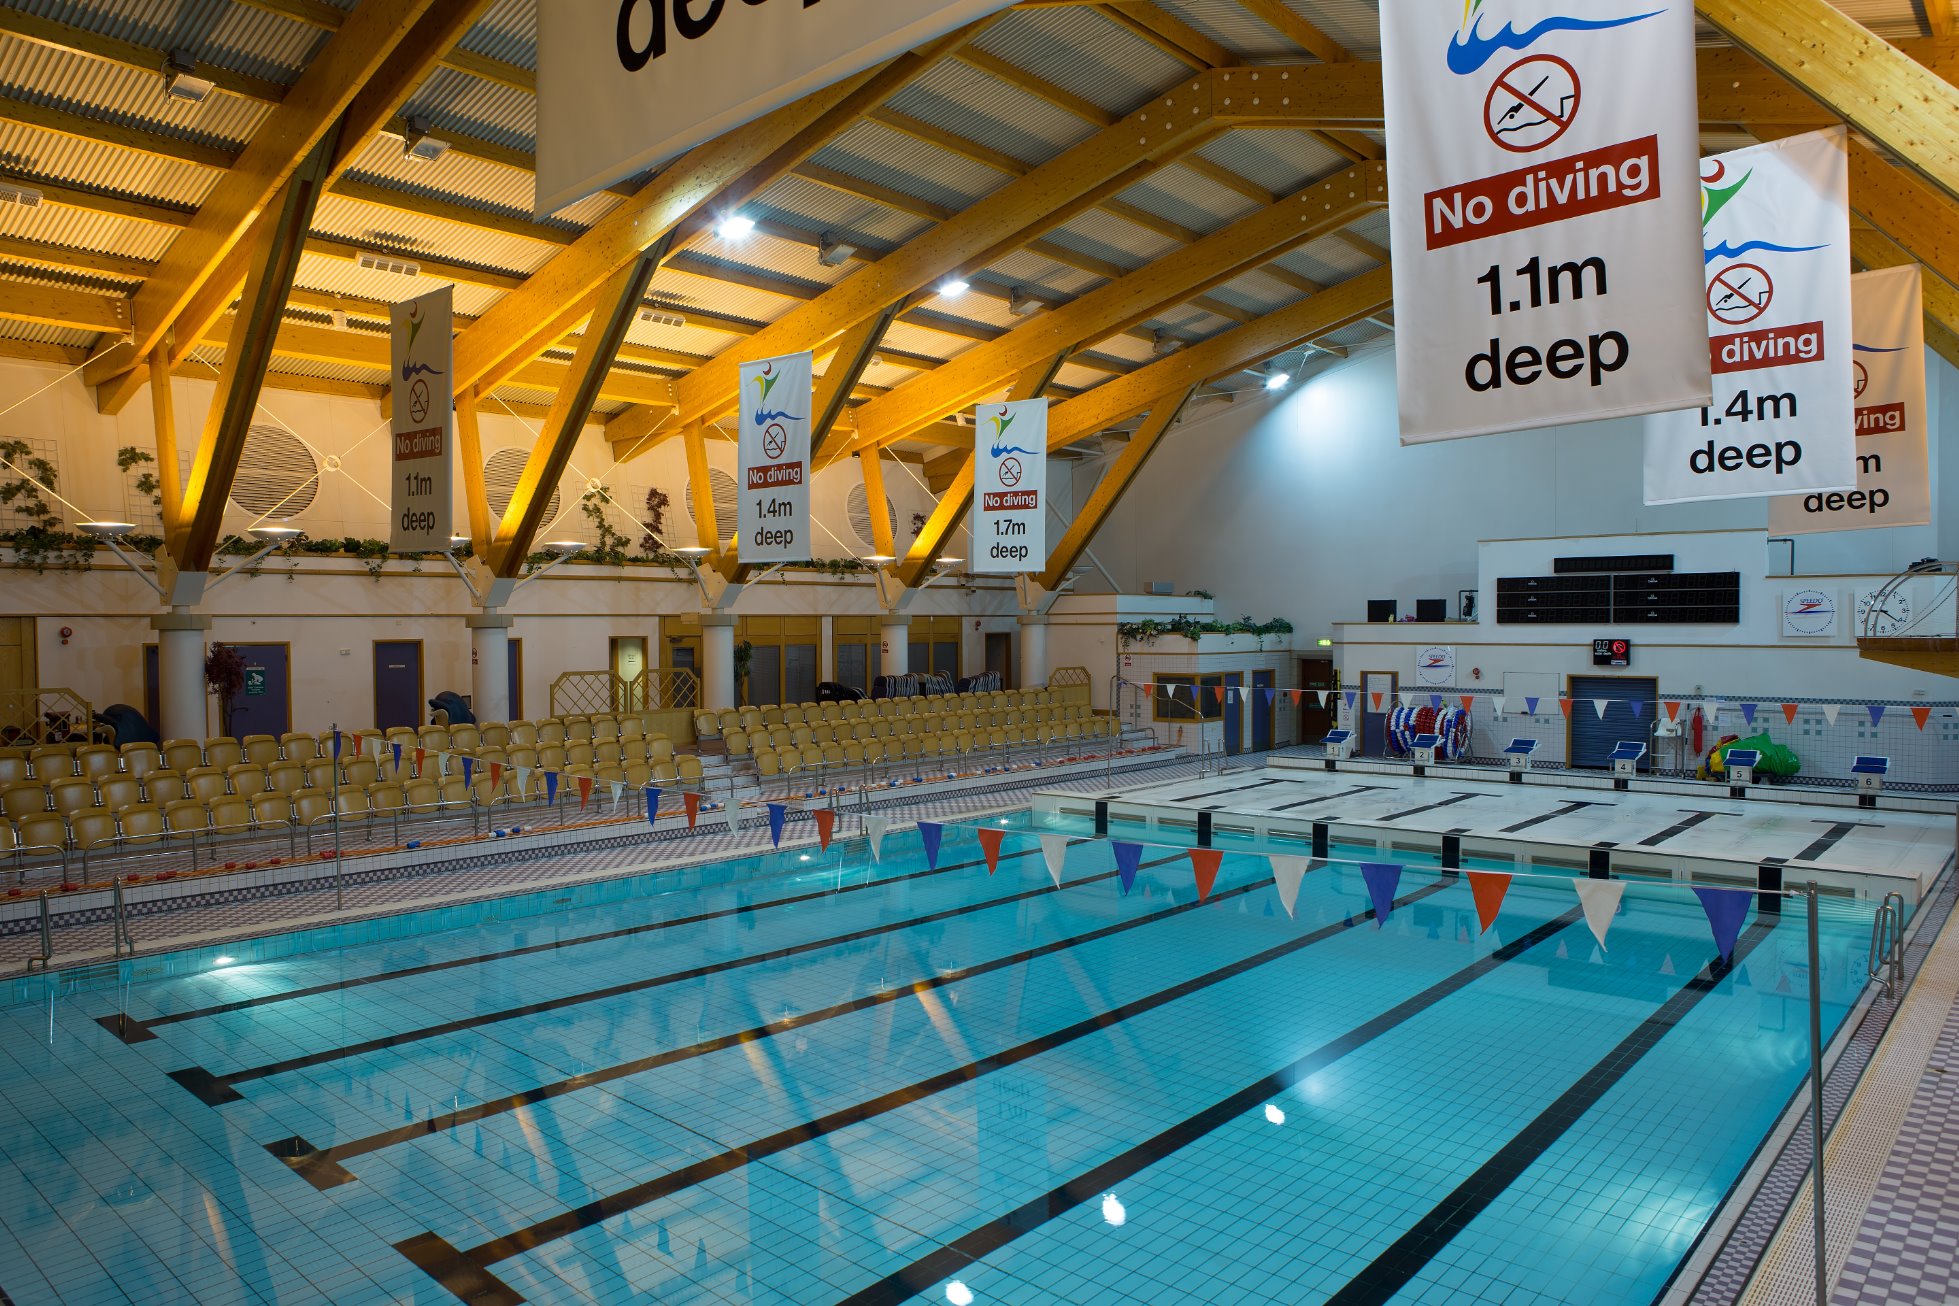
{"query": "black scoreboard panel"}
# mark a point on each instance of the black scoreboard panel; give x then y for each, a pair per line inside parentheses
(1644, 598)
(1614, 564)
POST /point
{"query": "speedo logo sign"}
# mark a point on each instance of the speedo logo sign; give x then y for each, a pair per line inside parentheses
(644, 25)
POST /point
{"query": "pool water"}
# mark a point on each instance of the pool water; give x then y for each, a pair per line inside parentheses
(809, 1078)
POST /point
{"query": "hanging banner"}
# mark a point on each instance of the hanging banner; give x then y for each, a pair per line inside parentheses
(624, 85)
(1777, 308)
(1894, 483)
(1542, 166)
(1010, 476)
(772, 520)
(423, 427)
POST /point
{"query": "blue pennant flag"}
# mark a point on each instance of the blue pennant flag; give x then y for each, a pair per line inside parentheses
(469, 770)
(550, 786)
(336, 744)
(397, 755)
(1270, 694)
(1353, 696)
(652, 806)
(778, 813)
(1877, 712)
(1435, 702)
(1748, 713)
(929, 834)
(1129, 856)
(1530, 707)
(1638, 706)
(1381, 877)
(1727, 910)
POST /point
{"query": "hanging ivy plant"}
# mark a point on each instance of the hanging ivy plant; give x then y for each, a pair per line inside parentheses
(1188, 627)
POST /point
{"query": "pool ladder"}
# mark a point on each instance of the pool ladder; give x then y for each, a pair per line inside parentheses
(1887, 954)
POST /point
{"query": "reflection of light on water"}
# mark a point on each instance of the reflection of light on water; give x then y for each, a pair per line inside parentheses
(223, 961)
(1273, 1115)
(958, 1294)
(1113, 1211)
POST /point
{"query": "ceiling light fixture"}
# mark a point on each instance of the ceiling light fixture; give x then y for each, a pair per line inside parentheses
(417, 144)
(1163, 343)
(1022, 304)
(735, 226)
(1278, 380)
(954, 287)
(660, 317)
(378, 262)
(180, 79)
(832, 252)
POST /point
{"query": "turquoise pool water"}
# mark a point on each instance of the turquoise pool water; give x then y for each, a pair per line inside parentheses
(809, 1078)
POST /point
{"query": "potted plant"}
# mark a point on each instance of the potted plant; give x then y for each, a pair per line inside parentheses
(224, 677)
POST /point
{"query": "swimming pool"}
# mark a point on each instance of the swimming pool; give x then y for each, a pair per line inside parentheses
(811, 1078)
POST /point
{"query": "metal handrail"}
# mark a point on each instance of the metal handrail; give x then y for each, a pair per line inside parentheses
(120, 939)
(1887, 951)
(47, 936)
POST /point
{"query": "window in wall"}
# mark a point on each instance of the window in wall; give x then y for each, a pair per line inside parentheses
(1168, 706)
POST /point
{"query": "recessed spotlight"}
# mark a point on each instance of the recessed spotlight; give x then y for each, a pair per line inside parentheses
(953, 287)
(735, 226)
(222, 961)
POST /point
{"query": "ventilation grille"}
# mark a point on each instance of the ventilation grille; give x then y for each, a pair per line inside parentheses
(500, 476)
(389, 263)
(277, 477)
(858, 507)
(725, 494)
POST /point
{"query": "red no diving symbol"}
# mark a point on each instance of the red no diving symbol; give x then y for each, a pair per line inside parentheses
(775, 440)
(1532, 103)
(1010, 472)
(1863, 379)
(1739, 293)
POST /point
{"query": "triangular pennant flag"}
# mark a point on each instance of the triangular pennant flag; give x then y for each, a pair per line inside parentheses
(1377, 702)
(1129, 856)
(778, 813)
(421, 760)
(1488, 887)
(1435, 702)
(1830, 711)
(1381, 877)
(1219, 690)
(1270, 694)
(1711, 710)
(1748, 714)
(1789, 711)
(550, 786)
(1353, 697)
(1600, 899)
(1326, 697)
(652, 806)
(1530, 706)
(496, 775)
(874, 828)
(1054, 851)
(1564, 706)
(469, 770)
(1726, 910)
(1468, 702)
(826, 821)
(397, 749)
(693, 801)
(1638, 706)
(989, 838)
(1599, 705)
(336, 745)
(617, 787)
(1877, 713)
(929, 834)
(1673, 709)
(523, 780)
(1921, 715)
(1407, 697)
(584, 791)
(1204, 867)
(1287, 872)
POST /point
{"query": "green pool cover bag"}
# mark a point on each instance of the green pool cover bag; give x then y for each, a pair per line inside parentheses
(1777, 760)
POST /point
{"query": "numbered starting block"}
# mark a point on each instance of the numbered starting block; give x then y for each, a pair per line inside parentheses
(1740, 764)
(1869, 772)
(1519, 752)
(1625, 757)
(1339, 746)
(1423, 747)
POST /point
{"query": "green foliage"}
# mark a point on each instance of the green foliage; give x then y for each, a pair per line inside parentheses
(1199, 594)
(129, 457)
(611, 550)
(18, 490)
(657, 502)
(1188, 627)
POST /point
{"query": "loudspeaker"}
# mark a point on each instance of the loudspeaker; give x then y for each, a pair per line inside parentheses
(1383, 610)
(1431, 609)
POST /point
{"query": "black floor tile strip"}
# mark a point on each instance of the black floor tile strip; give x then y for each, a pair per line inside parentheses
(1566, 810)
(951, 1258)
(1391, 1271)
(1428, 807)
(131, 1030)
(218, 1089)
(1327, 798)
(322, 1166)
(1678, 827)
(1827, 841)
(1213, 793)
(460, 1270)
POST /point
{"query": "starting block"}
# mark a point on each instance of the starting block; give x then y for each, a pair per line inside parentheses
(1625, 761)
(1519, 751)
(1869, 772)
(1339, 746)
(1740, 764)
(1424, 747)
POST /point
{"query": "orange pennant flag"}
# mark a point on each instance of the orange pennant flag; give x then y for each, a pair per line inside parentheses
(1673, 709)
(1489, 888)
(1377, 702)
(496, 774)
(421, 756)
(1789, 711)
(693, 801)
(584, 791)
(1219, 691)
(1564, 706)
(826, 821)
(1204, 865)
(1921, 715)
(989, 837)
(1469, 702)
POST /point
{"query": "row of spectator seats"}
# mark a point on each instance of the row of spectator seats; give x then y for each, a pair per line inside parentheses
(709, 725)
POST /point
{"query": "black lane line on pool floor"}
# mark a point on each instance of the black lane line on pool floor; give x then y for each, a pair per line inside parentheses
(1823, 844)
(953, 1257)
(1394, 1268)
(1678, 827)
(322, 1167)
(216, 1090)
(1417, 811)
(466, 1272)
(1566, 810)
(1327, 798)
(132, 1030)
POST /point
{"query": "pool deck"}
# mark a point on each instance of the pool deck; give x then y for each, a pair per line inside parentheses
(1638, 828)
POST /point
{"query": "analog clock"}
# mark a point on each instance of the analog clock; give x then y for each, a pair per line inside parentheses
(1885, 619)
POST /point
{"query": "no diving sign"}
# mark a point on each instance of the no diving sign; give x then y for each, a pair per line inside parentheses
(1532, 103)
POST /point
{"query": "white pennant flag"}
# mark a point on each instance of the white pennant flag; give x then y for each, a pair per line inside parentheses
(1711, 710)
(1287, 872)
(1503, 707)
(1600, 899)
(523, 778)
(874, 828)
(616, 787)
(1830, 711)
(1054, 850)
(1325, 695)
(1601, 704)
(1407, 698)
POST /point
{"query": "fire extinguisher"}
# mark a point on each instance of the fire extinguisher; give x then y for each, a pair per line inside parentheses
(1700, 738)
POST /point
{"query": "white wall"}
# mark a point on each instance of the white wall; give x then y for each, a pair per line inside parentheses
(1308, 506)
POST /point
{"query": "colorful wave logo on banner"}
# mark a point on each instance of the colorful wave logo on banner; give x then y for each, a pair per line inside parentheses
(1714, 198)
(765, 382)
(1001, 421)
(1471, 49)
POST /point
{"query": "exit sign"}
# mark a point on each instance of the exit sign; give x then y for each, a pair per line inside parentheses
(1611, 652)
